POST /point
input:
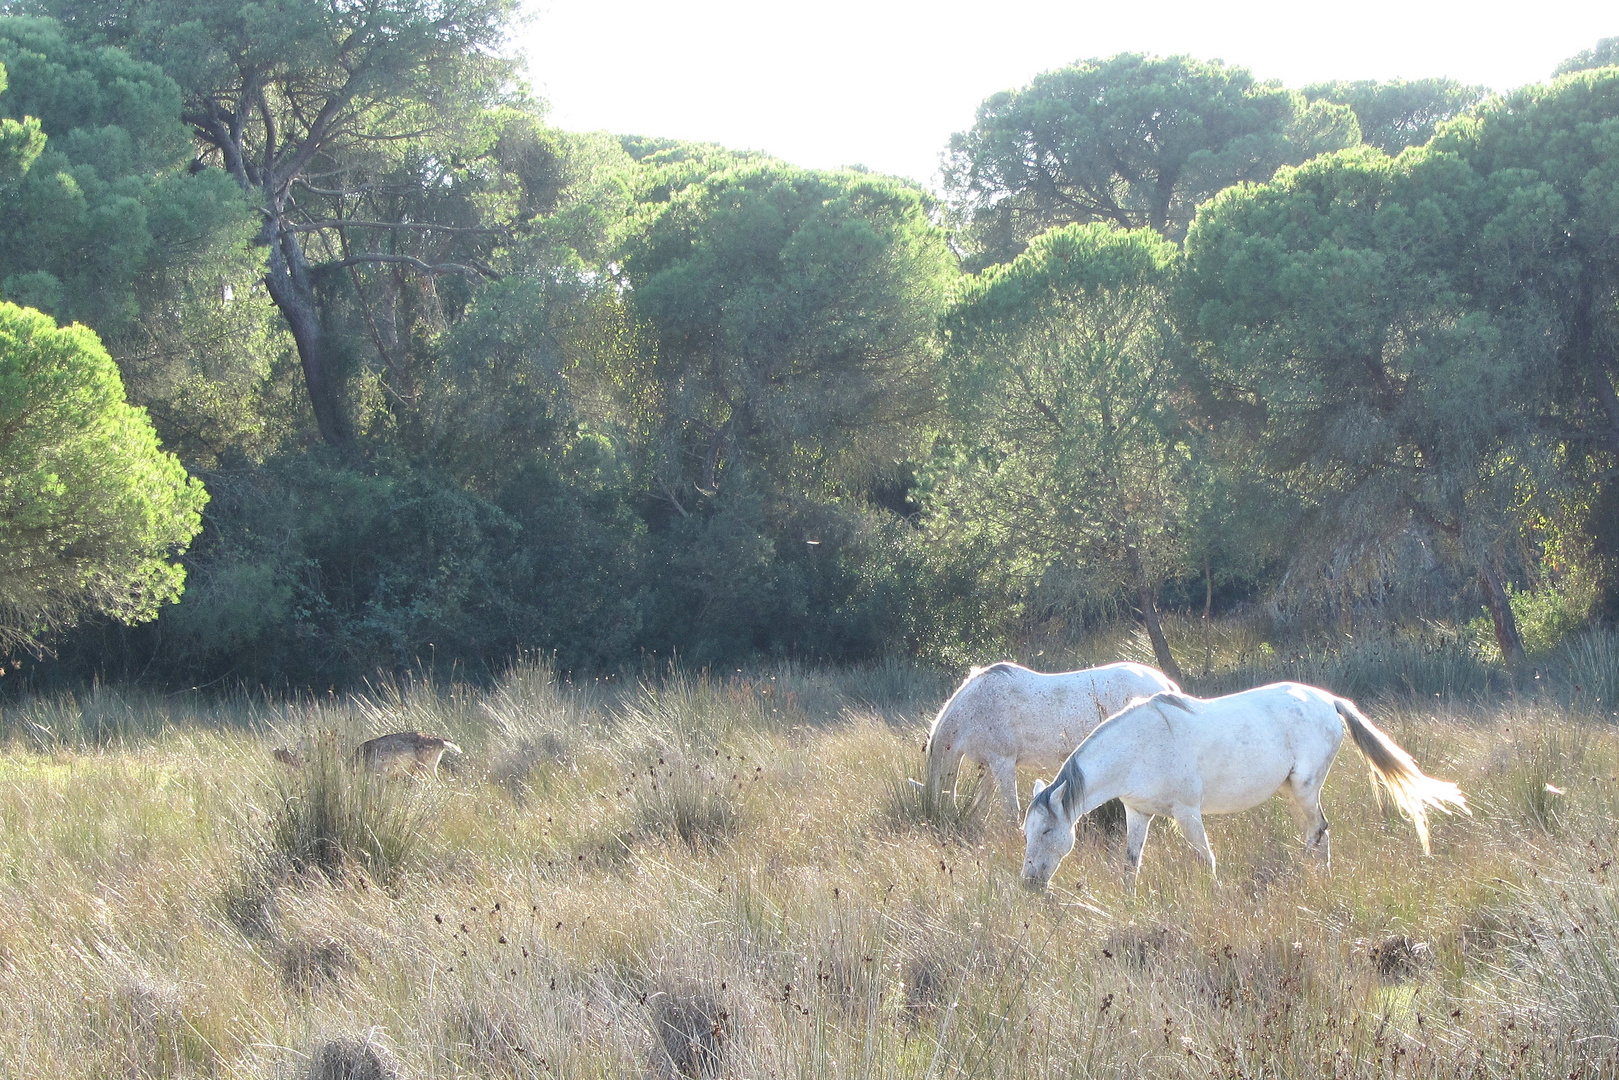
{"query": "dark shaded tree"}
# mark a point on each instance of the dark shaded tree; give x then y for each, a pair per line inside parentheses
(1544, 261)
(1334, 304)
(1065, 449)
(792, 316)
(21, 142)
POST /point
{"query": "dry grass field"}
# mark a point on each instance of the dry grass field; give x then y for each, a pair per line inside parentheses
(730, 876)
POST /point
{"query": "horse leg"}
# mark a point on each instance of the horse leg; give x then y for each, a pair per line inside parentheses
(1135, 838)
(1306, 796)
(1190, 819)
(1004, 770)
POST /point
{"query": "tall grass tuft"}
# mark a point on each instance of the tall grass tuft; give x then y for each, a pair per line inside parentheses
(141, 1028)
(1565, 955)
(534, 723)
(1592, 663)
(689, 801)
(959, 815)
(332, 818)
(693, 1033)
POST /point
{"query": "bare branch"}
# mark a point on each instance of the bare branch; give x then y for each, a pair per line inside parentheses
(411, 261)
(420, 226)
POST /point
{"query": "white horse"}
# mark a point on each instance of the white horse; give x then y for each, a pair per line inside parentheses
(1005, 715)
(1184, 757)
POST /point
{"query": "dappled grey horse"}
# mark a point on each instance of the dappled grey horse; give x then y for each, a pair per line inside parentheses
(1006, 715)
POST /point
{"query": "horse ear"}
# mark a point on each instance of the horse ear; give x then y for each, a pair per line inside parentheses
(1039, 786)
(1056, 793)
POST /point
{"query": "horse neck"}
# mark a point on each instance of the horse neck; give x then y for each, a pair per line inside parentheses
(1102, 762)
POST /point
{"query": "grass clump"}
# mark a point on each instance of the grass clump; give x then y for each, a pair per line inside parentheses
(334, 818)
(141, 1030)
(693, 1032)
(689, 801)
(1564, 953)
(961, 814)
(354, 1057)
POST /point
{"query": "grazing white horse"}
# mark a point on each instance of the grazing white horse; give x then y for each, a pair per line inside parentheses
(1184, 757)
(1005, 715)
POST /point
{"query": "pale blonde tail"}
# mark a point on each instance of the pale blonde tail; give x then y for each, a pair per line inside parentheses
(1413, 791)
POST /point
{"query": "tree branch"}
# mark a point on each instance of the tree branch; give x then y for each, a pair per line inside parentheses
(420, 226)
(411, 261)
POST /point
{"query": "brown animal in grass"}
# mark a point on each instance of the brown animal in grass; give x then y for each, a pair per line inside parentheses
(288, 757)
(404, 752)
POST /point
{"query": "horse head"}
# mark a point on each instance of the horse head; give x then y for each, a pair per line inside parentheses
(1048, 828)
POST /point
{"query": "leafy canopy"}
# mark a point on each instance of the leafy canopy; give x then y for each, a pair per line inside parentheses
(20, 144)
(1396, 114)
(1135, 141)
(109, 202)
(92, 510)
(792, 313)
(1334, 300)
(304, 104)
(1604, 53)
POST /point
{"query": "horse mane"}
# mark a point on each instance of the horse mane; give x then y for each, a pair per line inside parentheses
(1073, 795)
(1163, 697)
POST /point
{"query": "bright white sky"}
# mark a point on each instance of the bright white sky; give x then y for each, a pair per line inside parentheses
(883, 83)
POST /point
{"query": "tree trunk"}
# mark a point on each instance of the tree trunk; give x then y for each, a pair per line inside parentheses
(1208, 609)
(1155, 633)
(293, 293)
(1506, 626)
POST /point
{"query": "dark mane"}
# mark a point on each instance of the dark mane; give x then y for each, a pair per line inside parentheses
(1072, 796)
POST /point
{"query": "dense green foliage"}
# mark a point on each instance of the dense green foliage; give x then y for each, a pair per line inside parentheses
(1398, 114)
(1134, 141)
(112, 229)
(463, 384)
(91, 509)
(20, 144)
(1070, 453)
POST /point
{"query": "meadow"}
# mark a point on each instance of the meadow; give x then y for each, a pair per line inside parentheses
(729, 874)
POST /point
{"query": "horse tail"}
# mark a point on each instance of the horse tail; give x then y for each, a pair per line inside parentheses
(1413, 791)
